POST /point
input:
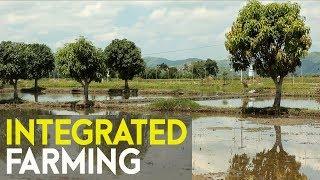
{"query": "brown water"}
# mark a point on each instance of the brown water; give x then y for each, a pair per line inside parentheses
(237, 148)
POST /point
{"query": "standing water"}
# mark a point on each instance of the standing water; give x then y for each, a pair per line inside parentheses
(236, 148)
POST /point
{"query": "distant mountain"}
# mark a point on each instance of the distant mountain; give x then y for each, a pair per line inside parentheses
(310, 64)
(154, 61)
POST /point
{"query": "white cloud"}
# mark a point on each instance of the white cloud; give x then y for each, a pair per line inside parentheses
(155, 26)
(108, 36)
(14, 18)
(158, 14)
(90, 9)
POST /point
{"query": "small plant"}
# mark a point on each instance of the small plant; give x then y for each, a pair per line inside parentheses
(225, 76)
(174, 104)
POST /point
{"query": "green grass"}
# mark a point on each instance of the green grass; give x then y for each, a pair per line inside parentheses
(301, 85)
(174, 104)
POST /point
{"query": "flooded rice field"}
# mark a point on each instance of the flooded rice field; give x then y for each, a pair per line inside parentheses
(308, 103)
(67, 97)
(222, 147)
(235, 148)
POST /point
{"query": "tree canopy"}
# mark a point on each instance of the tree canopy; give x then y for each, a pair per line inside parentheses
(211, 67)
(42, 62)
(274, 163)
(273, 37)
(82, 61)
(124, 57)
(13, 62)
(198, 69)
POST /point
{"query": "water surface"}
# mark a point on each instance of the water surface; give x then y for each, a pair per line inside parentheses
(307, 103)
(156, 162)
(236, 148)
(67, 97)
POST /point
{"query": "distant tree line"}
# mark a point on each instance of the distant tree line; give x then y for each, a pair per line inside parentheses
(197, 69)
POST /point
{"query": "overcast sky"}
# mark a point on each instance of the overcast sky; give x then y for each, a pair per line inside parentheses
(190, 29)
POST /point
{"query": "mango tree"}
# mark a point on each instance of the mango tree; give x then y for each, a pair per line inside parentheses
(13, 61)
(272, 37)
(198, 69)
(124, 57)
(41, 64)
(83, 62)
(211, 67)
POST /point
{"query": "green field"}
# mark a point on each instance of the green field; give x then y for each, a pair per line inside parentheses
(301, 85)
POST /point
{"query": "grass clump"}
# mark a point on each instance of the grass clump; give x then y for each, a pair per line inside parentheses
(174, 104)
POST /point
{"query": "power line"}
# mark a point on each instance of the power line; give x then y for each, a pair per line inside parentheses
(179, 50)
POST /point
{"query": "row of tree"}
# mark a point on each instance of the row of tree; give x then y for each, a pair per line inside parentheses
(83, 62)
(24, 61)
(198, 69)
(271, 37)
(79, 60)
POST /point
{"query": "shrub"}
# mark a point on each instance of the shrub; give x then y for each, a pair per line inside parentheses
(174, 104)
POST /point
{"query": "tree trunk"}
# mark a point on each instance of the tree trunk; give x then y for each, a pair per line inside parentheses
(278, 142)
(15, 87)
(36, 96)
(126, 85)
(277, 99)
(36, 84)
(86, 93)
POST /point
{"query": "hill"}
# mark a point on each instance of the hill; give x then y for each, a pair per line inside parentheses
(310, 64)
(154, 61)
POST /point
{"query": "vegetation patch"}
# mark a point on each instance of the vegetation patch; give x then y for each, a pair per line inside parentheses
(80, 104)
(12, 101)
(219, 128)
(258, 129)
(268, 111)
(32, 90)
(174, 105)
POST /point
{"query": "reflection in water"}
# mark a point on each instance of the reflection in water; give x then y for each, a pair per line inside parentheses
(36, 97)
(240, 149)
(106, 149)
(245, 103)
(261, 103)
(275, 163)
(225, 102)
(126, 95)
(67, 97)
